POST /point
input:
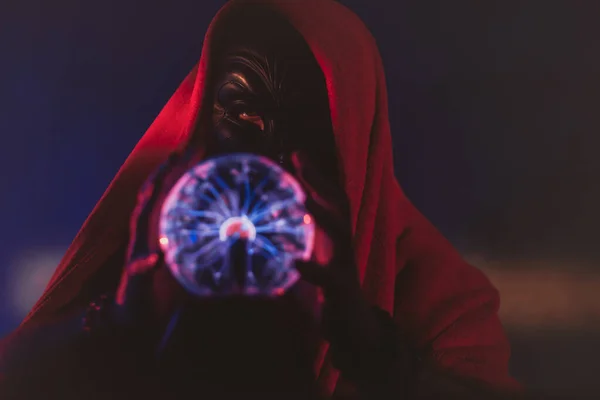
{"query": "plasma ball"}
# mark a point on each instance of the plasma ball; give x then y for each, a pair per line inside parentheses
(237, 196)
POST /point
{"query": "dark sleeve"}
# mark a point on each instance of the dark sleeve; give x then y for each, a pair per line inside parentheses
(35, 360)
(402, 372)
(60, 360)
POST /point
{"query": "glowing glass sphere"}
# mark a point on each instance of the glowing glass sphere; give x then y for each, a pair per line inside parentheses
(232, 197)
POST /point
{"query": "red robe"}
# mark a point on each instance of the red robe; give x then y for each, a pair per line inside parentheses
(447, 308)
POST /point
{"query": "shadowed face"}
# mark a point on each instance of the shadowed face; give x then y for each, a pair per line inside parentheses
(270, 97)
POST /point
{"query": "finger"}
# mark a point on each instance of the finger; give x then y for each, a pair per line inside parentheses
(329, 207)
(138, 276)
(144, 265)
(148, 293)
(314, 273)
(322, 191)
(140, 220)
(325, 200)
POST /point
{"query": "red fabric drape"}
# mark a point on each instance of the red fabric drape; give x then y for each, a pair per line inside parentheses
(446, 306)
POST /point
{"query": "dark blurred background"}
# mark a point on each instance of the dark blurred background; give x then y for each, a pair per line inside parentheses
(493, 110)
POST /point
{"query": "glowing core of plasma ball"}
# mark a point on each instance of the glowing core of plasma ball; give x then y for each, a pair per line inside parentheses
(240, 227)
(226, 198)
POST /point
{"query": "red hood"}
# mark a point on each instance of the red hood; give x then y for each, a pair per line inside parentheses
(389, 233)
(345, 50)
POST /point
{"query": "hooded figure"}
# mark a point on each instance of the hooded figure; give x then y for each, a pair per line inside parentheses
(303, 84)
